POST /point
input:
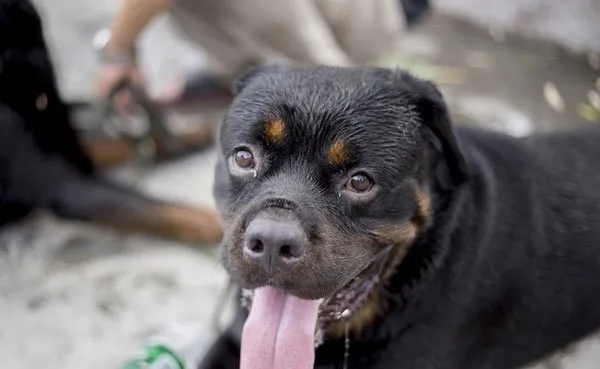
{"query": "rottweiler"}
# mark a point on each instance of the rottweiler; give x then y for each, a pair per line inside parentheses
(365, 231)
(43, 164)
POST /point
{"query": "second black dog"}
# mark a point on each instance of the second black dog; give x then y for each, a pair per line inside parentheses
(43, 164)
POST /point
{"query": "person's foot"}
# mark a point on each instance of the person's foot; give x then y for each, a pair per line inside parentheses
(198, 88)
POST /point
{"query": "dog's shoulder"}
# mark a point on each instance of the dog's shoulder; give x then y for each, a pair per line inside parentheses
(541, 190)
(532, 236)
(560, 165)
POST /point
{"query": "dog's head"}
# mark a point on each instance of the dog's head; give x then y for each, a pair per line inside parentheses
(23, 54)
(323, 171)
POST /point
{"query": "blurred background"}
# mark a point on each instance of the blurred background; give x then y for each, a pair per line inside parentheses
(72, 296)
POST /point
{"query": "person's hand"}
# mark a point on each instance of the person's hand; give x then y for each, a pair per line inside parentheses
(111, 74)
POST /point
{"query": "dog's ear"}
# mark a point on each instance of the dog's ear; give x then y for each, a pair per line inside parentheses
(434, 114)
(244, 79)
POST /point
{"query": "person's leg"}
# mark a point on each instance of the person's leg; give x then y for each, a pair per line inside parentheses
(288, 32)
(209, 25)
(365, 30)
(202, 23)
(239, 34)
(330, 32)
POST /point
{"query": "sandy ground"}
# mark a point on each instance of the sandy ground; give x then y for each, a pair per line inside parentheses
(73, 297)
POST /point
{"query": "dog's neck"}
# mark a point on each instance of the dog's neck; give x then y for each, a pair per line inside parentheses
(405, 280)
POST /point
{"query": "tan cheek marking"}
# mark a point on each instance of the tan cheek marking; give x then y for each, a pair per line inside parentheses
(337, 153)
(423, 206)
(274, 131)
(41, 102)
(401, 236)
(377, 304)
(397, 234)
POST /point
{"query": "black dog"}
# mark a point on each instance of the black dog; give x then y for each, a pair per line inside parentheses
(431, 247)
(43, 165)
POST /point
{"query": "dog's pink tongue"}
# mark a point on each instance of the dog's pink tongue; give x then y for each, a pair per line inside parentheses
(279, 332)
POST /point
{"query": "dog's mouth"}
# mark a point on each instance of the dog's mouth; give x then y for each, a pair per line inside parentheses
(340, 306)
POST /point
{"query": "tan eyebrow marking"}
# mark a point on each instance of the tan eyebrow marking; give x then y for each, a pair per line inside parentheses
(274, 131)
(423, 206)
(338, 152)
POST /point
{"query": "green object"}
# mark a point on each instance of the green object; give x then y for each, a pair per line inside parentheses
(156, 357)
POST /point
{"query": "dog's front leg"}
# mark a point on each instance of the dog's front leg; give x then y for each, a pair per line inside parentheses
(91, 199)
(225, 351)
(32, 178)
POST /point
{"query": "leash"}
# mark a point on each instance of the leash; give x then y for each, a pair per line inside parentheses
(220, 306)
(146, 139)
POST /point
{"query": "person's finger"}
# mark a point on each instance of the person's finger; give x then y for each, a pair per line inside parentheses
(123, 101)
(109, 76)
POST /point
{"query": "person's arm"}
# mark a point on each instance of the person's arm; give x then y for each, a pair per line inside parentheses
(117, 52)
(132, 17)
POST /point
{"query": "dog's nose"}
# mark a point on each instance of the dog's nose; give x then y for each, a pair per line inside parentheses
(275, 244)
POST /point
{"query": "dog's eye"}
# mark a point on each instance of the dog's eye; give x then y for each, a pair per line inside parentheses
(244, 159)
(360, 183)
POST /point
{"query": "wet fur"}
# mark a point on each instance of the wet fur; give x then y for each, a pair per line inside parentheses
(505, 265)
